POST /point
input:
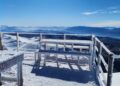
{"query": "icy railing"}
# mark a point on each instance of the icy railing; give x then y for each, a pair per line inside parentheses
(102, 59)
(8, 61)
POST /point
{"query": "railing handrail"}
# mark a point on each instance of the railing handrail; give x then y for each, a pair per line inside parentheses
(103, 46)
(108, 66)
(68, 34)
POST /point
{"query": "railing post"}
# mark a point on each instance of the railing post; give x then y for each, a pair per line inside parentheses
(45, 58)
(64, 36)
(1, 46)
(72, 46)
(57, 55)
(0, 79)
(64, 49)
(99, 59)
(110, 69)
(17, 38)
(40, 38)
(64, 39)
(40, 46)
(93, 51)
(19, 74)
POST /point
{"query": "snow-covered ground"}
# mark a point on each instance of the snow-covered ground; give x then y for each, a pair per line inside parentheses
(67, 73)
(115, 78)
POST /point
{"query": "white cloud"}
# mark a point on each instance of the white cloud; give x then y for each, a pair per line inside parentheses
(110, 10)
(115, 12)
(89, 13)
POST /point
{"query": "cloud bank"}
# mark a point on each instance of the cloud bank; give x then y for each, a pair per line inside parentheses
(106, 24)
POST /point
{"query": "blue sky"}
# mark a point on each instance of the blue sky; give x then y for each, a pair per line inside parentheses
(60, 12)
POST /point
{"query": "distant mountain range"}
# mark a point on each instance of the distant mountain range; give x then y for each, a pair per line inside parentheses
(10, 29)
(99, 31)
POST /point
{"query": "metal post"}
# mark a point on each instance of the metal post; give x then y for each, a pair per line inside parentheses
(110, 69)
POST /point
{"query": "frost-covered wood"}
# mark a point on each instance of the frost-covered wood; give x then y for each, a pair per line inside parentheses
(10, 62)
(108, 66)
(17, 38)
(5, 64)
(94, 50)
(1, 46)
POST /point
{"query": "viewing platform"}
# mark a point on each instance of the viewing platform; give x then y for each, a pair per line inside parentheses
(75, 55)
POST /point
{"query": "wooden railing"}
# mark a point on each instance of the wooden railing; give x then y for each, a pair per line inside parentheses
(72, 41)
(43, 36)
(8, 63)
(102, 59)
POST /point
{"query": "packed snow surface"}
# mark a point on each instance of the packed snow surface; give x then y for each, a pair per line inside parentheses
(67, 74)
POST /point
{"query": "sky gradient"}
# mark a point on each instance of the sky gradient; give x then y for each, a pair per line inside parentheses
(60, 12)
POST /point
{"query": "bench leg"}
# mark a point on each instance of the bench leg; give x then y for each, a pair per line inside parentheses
(57, 60)
(44, 60)
(78, 60)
